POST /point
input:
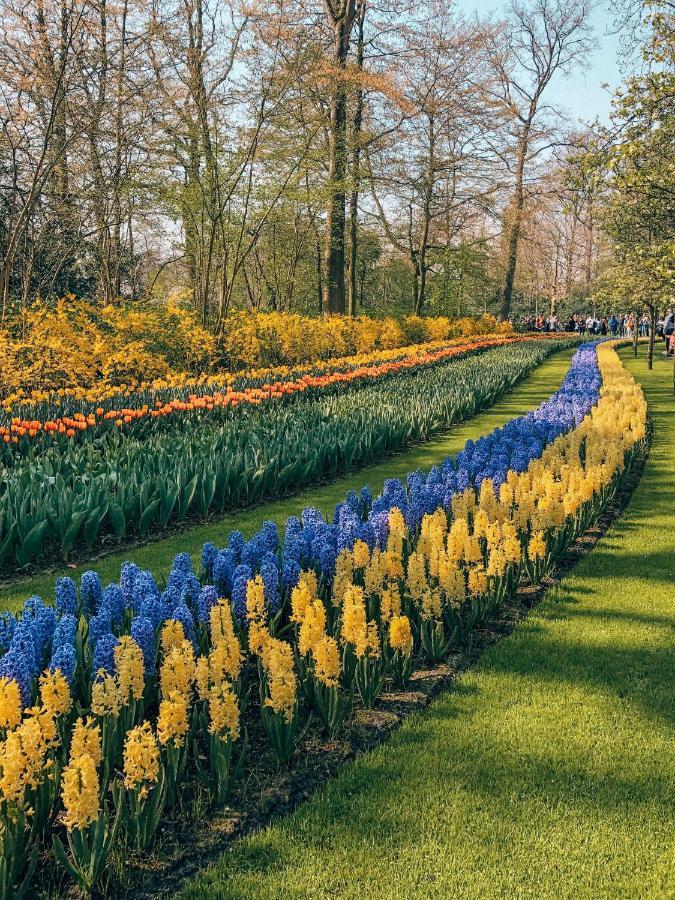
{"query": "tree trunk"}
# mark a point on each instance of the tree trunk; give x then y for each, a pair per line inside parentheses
(356, 166)
(334, 251)
(514, 234)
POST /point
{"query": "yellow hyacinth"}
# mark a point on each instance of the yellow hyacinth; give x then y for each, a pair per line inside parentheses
(79, 792)
(172, 635)
(224, 712)
(141, 757)
(281, 678)
(313, 627)
(393, 565)
(536, 548)
(10, 703)
(221, 624)
(105, 695)
(258, 638)
(226, 659)
(15, 770)
(361, 554)
(354, 621)
(342, 580)
(310, 581)
(301, 597)
(400, 635)
(390, 602)
(477, 581)
(55, 693)
(326, 656)
(375, 573)
(178, 670)
(497, 562)
(416, 576)
(431, 605)
(202, 677)
(130, 669)
(86, 740)
(256, 610)
(172, 721)
(451, 580)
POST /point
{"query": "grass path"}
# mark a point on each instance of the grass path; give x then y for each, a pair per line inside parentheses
(548, 771)
(158, 555)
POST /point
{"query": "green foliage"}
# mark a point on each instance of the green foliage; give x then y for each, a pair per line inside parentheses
(52, 500)
(639, 170)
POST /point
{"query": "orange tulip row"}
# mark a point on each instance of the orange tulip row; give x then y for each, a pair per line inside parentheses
(71, 425)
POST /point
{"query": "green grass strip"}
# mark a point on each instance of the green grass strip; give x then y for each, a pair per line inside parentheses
(548, 770)
(158, 555)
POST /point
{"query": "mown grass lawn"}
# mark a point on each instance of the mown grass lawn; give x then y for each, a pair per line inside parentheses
(547, 771)
(158, 555)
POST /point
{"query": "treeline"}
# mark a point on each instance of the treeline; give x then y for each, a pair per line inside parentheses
(335, 156)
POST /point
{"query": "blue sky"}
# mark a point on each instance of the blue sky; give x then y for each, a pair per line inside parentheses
(583, 96)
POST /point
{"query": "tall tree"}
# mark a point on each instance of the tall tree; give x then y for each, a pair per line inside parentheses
(538, 41)
(340, 15)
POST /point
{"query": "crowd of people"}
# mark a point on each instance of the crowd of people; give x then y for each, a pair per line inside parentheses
(612, 326)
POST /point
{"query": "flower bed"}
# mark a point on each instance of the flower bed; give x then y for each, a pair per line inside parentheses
(57, 497)
(142, 689)
(72, 415)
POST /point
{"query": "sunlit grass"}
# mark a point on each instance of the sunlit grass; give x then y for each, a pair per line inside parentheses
(547, 771)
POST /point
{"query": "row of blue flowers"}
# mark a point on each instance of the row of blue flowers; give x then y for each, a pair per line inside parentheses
(49, 635)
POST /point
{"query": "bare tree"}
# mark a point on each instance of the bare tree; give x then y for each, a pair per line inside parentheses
(538, 41)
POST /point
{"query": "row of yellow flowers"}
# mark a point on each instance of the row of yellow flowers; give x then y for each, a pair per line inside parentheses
(104, 391)
(78, 347)
(220, 392)
(385, 609)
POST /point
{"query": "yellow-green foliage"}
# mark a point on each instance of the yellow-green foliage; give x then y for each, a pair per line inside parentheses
(268, 339)
(77, 344)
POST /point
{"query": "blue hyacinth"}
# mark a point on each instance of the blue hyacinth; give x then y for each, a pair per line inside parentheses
(66, 597)
(24, 644)
(144, 586)
(91, 593)
(223, 570)
(208, 597)
(128, 574)
(14, 666)
(64, 633)
(99, 626)
(209, 553)
(242, 575)
(269, 573)
(65, 659)
(290, 574)
(114, 603)
(143, 632)
(7, 627)
(42, 618)
(152, 608)
(104, 655)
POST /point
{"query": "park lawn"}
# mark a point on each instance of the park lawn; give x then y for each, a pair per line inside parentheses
(548, 770)
(157, 556)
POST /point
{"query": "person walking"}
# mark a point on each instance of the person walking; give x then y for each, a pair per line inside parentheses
(669, 331)
(613, 325)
